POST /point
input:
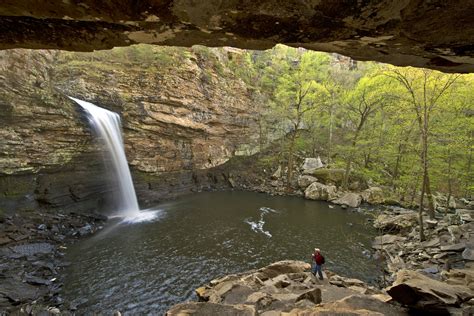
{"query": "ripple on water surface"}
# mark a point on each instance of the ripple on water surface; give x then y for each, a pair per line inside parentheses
(149, 266)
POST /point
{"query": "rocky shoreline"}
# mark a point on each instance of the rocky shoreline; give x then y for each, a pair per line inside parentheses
(434, 276)
(437, 272)
(32, 261)
(288, 288)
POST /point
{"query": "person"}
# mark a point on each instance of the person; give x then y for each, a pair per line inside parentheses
(318, 262)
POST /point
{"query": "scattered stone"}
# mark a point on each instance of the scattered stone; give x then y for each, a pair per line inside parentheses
(349, 199)
(373, 195)
(237, 294)
(42, 227)
(468, 254)
(435, 242)
(304, 181)
(431, 223)
(452, 202)
(196, 308)
(465, 215)
(312, 164)
(36, 280)
(86, 230)
(18, 292)
(277, 174)
(431, 270)
(363, 305)
(320, 192)
(396, 224)
(33, 249)
(416, 290)
(314, 296)
(455, 247)
(329, 176)
(381, 241)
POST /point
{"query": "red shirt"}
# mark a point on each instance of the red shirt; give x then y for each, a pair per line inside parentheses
(318, 258)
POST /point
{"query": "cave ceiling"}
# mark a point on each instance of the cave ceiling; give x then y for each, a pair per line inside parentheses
(437, 34)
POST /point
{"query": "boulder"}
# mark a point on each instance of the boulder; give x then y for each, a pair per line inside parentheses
(18, 292)
(468, 254)
(197, 308)
(464, 277)
(431, 243)
(452, 202)
(34, 248)
(238, 294)
(329, 176)
(350, 199)
(454, 247)
(313, 296)
(341, 281)
(320, 192)
(416, 290)
(431, 223)
(304, 181)
(381, 241)
(312, 164)
(465, 215)
(396, 224)
(373, 195)
(363, 305)
(282, 267)
(277, 174)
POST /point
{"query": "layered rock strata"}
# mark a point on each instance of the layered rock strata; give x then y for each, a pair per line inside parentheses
(183, 114)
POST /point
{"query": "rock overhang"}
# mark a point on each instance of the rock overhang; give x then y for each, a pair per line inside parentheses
(433, 34)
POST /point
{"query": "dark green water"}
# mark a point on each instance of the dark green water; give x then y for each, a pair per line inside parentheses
(147, 267)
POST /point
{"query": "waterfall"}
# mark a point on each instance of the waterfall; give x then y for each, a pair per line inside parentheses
(107, 125)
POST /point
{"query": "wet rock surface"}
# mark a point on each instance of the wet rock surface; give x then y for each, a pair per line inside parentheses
(31, 258)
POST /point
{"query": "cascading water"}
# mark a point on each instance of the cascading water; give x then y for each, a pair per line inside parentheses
(107, 125)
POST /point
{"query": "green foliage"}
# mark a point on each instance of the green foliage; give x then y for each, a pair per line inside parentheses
(362, 117)
(359, 116)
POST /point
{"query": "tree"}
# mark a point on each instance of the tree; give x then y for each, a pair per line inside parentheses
(299, 91)
(369, 95)
(425, 89)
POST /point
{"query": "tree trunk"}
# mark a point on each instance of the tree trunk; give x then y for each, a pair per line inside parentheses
(330, 136)
(469, 167)
(345, 182)
(289, 174)
(420, 211)
(426, 177)
(397, 163)
(450, 186)
(431, 207)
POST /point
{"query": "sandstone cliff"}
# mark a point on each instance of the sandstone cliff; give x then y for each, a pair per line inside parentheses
(183, 112)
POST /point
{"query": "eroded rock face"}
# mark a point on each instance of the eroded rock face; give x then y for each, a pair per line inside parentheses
(399, 32)
(182, 115)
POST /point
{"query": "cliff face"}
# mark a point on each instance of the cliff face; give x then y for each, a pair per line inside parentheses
(183, 113)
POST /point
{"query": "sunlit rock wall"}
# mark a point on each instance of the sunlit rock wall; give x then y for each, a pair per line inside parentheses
(183, 114)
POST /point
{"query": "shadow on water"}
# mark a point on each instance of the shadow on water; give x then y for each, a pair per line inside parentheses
(148, 267)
